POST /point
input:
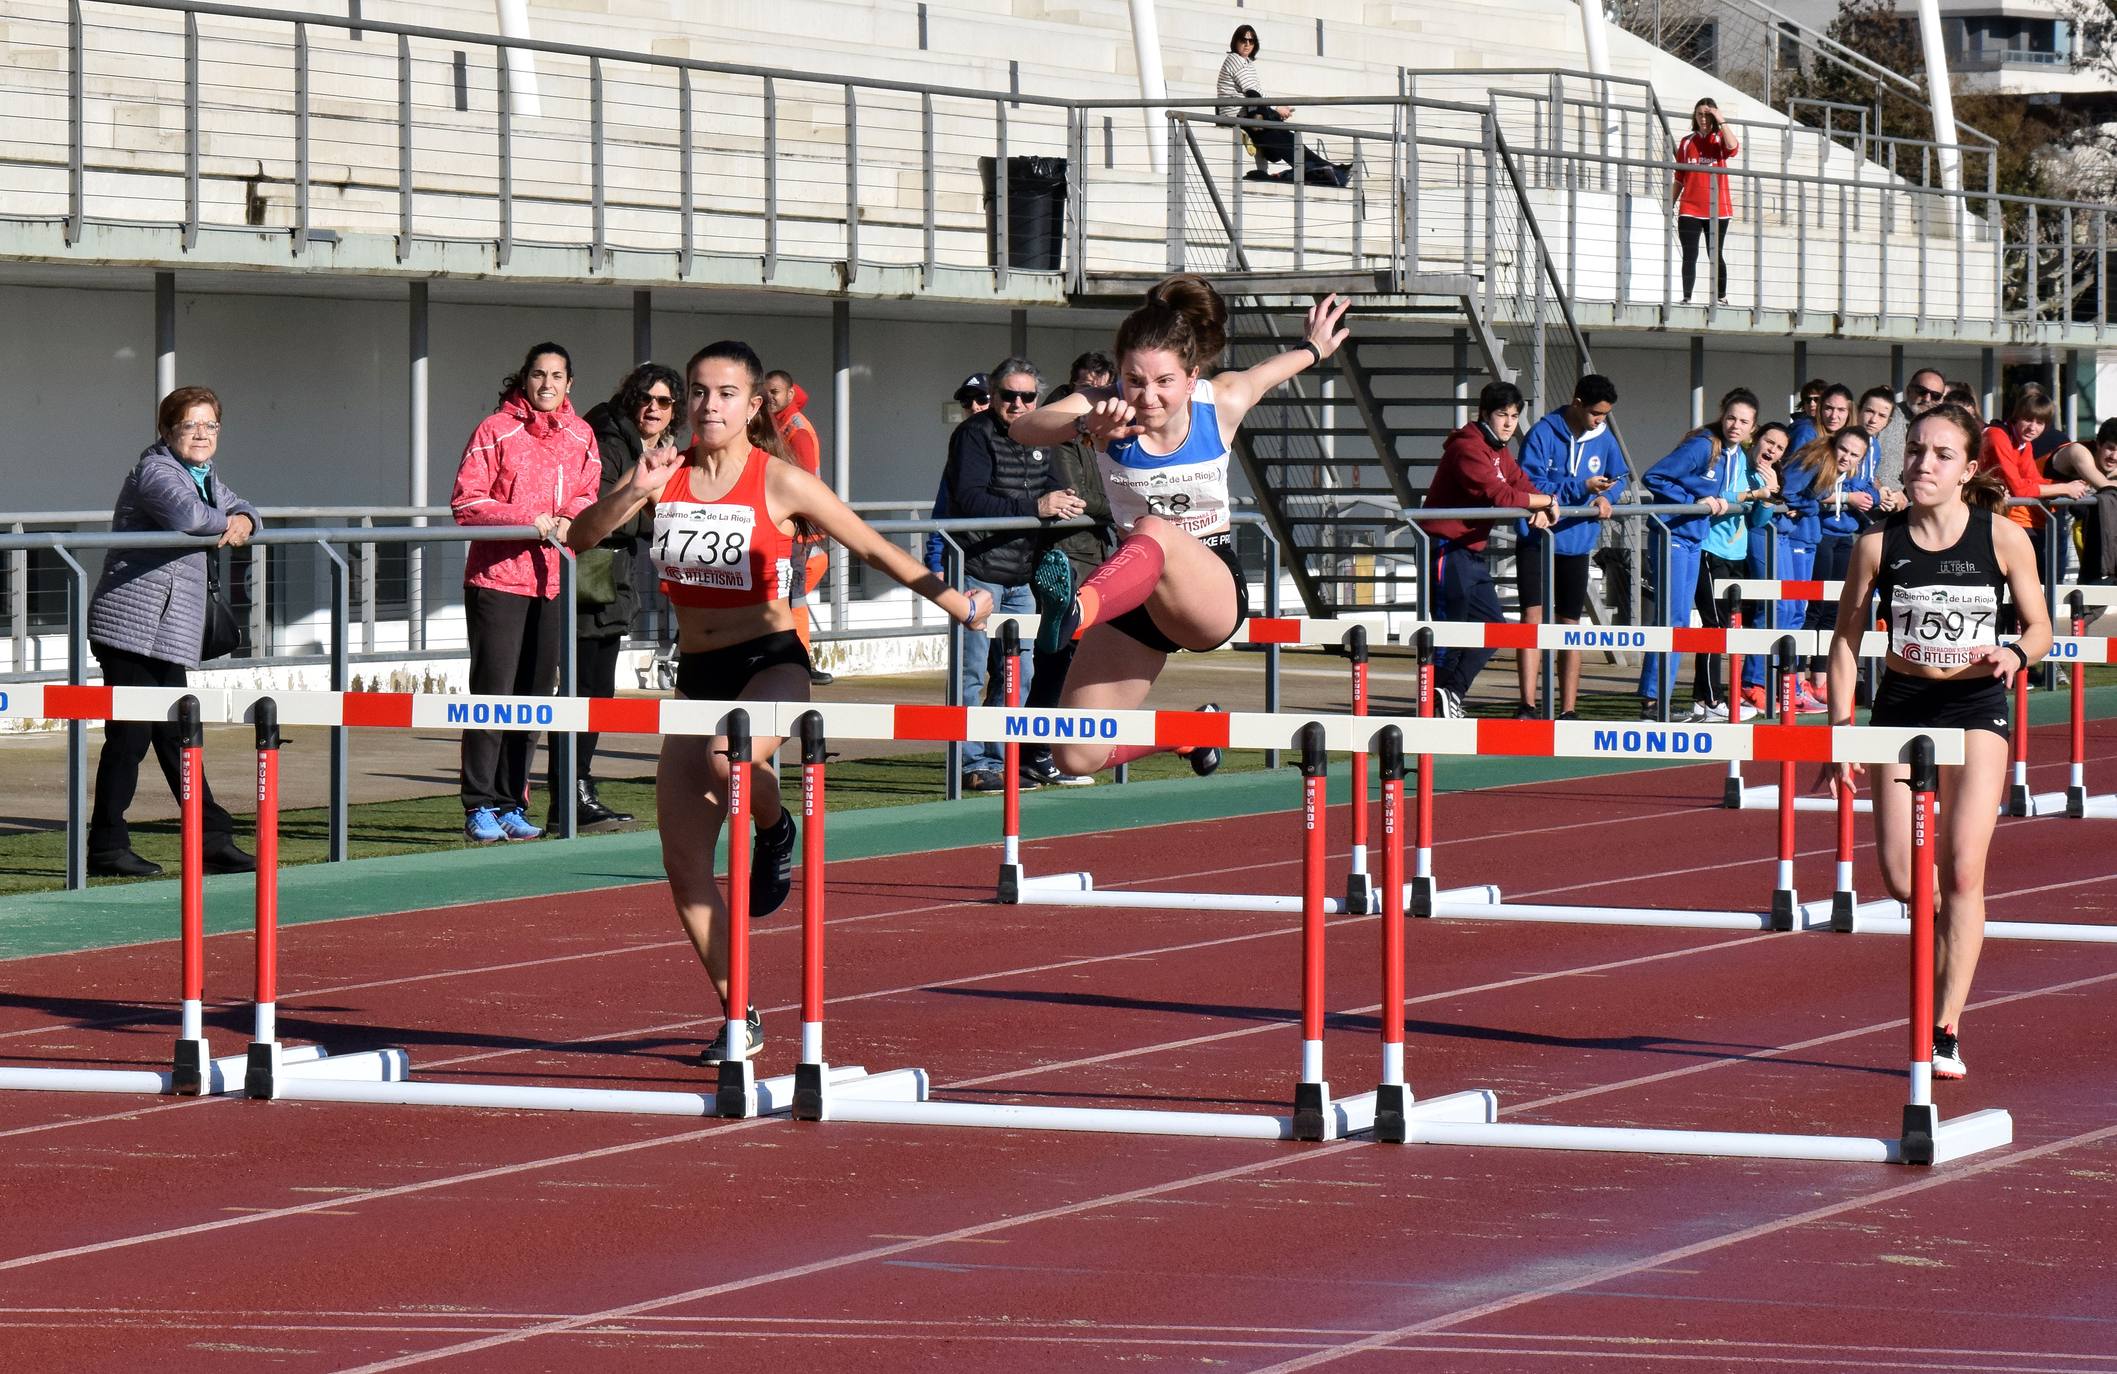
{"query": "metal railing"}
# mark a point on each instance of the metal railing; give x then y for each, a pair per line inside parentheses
(1774, 58)
(341, 655)
(367, 155)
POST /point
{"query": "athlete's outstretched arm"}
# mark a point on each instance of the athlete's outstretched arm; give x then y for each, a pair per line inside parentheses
(2012, 545)
(1860, 574)
(791, 493)
(1235, 392)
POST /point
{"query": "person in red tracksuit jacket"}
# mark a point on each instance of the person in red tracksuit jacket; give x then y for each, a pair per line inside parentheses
(785, 399)
(531, 462)
(1475, 470)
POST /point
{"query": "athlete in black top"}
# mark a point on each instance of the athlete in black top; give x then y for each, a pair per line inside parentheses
(1945, 567)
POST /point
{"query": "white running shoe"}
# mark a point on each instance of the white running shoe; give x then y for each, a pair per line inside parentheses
(1447, 705)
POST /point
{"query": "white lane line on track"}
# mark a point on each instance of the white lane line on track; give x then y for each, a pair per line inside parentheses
(1377, 1341)
(1955, 1173)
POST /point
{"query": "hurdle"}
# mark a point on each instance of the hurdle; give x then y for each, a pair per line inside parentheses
(1078, 889)
(193, 1070)
(1923, 1138)
(2078, 648)
(1314, 1114)
(1684, 742)
(383, 1077)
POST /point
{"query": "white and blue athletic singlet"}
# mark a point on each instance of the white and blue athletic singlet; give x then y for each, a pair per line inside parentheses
(1188, 488)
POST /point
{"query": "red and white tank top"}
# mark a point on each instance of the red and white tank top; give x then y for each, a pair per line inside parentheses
(724, 552)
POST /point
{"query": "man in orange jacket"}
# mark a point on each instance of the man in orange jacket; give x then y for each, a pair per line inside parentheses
(787, 401)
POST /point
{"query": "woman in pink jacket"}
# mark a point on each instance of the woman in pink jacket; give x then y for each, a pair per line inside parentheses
(531, 462)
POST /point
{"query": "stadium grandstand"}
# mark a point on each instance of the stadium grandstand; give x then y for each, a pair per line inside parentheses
(352, 217)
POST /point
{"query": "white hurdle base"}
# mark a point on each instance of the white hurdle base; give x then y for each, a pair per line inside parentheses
(1344, 1117)
(1765, 797)
(1966, 1135)
(1445, 907)
(1079, 889)
(2075, 805)
(1888, 917)
(773, 1095)
(223, 1075)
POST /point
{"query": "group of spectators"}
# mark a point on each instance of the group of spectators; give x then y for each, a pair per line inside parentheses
(1783, 499)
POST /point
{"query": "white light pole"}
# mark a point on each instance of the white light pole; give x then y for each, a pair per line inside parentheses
(1146, 51)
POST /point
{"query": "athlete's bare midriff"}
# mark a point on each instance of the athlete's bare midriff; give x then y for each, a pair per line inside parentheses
(701, 628)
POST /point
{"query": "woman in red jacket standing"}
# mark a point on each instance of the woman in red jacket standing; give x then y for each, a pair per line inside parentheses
(531, 462)
(1704, 201)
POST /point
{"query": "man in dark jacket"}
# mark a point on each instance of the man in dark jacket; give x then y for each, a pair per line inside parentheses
(991, 477)
(1476, 471)
(1085, 550)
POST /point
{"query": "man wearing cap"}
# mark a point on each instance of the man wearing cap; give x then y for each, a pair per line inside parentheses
(975, 397)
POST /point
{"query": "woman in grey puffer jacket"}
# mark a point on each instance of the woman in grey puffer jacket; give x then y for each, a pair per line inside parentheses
(147, 622)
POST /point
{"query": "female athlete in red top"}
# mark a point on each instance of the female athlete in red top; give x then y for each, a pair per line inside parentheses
(725, 515)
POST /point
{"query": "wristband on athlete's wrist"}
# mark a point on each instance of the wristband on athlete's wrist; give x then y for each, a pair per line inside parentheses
(1313, 352)
(2020, 654)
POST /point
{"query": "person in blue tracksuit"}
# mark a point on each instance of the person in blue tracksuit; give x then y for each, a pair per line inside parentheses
(1573, 455)
(1722, 554)
(1833, 413)
(1767, 553)
(1846, 498)
(1692, 475)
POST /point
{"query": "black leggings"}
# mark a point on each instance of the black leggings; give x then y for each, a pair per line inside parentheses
(1691, 228)
(1706, 685)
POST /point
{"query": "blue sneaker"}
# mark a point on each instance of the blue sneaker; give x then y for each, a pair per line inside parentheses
(516, 826)
(482, 826)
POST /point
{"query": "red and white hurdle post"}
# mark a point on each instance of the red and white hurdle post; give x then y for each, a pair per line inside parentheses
(1392, 1095)
(736, 1094)
(1786, 904)
(2019, 802)
(2077, 775)
(1921, 1118)
(1312, 1107)
(192, 1067)
(812, 1074)
(1422, 891)
(1011, 796)
(1359, 886)
(264, 1063)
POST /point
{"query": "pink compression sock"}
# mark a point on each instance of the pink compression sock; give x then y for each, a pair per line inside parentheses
(1133, 753)
(1123, 583)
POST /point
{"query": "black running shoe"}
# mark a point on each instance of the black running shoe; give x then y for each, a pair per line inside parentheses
(717, 1051)
(772, 866)
(1205, 760)
(1051, 586)
(1948, 1054)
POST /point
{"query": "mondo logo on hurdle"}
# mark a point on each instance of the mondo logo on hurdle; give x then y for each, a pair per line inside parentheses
(2076, 648)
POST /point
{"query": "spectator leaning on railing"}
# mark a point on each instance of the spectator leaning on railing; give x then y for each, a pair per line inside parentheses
(2007, 451)
(1475, 471)
(154, 615)
(532, 462)
(1694, 473)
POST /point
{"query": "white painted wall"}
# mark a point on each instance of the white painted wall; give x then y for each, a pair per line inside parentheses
(315, 387)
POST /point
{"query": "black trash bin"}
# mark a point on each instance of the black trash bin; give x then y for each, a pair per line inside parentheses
(1036, 212)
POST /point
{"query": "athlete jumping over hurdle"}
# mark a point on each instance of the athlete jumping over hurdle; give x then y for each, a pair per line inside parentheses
(730, 512)
(1943, 568)
(1162, 439)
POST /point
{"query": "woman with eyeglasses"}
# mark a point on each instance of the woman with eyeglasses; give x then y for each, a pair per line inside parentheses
(730, 515)
(148, 622)
(641, 415)
(532, 462)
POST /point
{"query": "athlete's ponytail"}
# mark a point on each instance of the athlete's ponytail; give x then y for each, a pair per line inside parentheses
(1182, 314)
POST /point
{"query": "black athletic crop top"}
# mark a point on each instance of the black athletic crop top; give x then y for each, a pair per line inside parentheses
(1940, 607)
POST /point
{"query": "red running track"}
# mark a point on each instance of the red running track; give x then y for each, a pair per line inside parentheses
(239, 1235)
